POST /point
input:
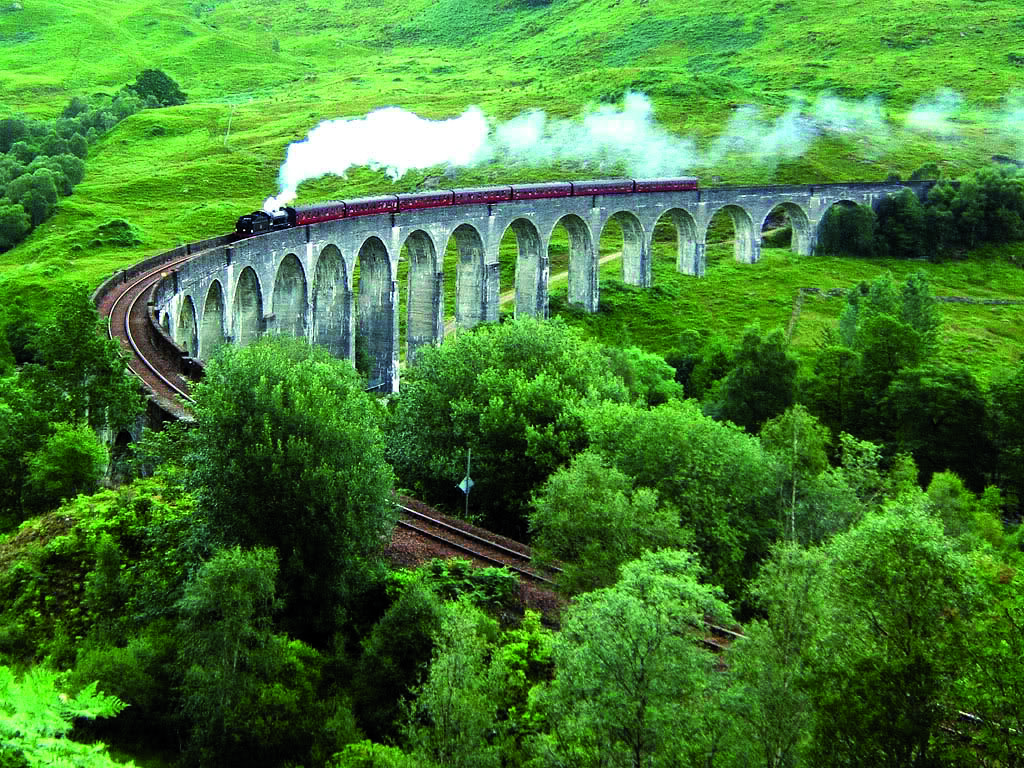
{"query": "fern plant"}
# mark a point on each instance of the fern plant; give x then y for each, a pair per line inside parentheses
(36, 717)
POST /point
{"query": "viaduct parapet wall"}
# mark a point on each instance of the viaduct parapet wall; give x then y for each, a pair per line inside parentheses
(336, 282)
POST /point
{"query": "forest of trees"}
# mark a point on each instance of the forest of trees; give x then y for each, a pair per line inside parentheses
(42, 160)
(856, 513)
(987, 206)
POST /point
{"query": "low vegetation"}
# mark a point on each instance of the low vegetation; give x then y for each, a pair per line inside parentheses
(826, 448)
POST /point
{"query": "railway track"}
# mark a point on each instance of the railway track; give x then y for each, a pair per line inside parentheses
(128, 320)
(477, 547)
(125, 308)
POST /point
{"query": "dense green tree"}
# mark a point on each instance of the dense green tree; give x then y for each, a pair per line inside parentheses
(36, 193)
(249, 695)
(771, 668)
(12, 129)
(714, 474)
(158, 86)
(912, 304)
(454, 713)
(288, 453)
(700, 361)
(648, 377)
(900, 231)
(1006, 427)
(24, 151)
(898, 600)
(848, 229)
(938, 415)
(631, 681)
(80, 373)
(396, 649)
(761, 383)
(992, 687)
(815, 499)
(70, 461)
(14, 224)
(834, 392)
(589, 517)
(511, 394)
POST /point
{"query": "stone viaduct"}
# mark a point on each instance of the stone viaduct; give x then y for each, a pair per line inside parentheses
(301, 280)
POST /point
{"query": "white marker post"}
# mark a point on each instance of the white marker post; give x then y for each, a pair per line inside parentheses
(467, 482)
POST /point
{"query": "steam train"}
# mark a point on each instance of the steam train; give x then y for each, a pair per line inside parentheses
(258, 222)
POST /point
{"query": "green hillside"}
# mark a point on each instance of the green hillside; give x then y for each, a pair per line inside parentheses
(260, 75)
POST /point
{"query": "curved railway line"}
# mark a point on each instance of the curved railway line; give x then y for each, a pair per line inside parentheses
(126, 309)
(124, 302)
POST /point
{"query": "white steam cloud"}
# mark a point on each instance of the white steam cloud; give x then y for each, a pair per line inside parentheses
(398, 141)
(390, 138)
(935, 115)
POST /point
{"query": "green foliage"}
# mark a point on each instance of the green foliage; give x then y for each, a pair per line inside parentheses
(154, 85)
(103, 566)
(70, 461)
(1007, 430)
(366, 754)
(454, 711)
(80, 374)
(901, 226)
(14, 224)
(993, 687)
(589, 517)
(761, 383)
(630, 682)
(288, 453)
(987, 206)
(770, 668)
(143, 672)
(510, 394)
(393, 653)
(938, 414)
(885, 663)
(712, 473)
(816, 501)
(36, 193)
(457, 579)
(849, 230)
(648, 377)
(36, 719)
(248, 694)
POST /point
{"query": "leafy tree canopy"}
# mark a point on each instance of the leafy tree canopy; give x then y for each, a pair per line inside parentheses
(288, 453)
(158, 86)
(630, 681)
(510, 393)
(589, 517)
(714, 474)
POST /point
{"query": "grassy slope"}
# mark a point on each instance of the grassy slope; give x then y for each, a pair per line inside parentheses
(272, 70)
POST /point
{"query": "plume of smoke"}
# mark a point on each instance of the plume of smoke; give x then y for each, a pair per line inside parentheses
(390, 138)
(764, 141)
(864, 118)
(934, 115)
(605, 136)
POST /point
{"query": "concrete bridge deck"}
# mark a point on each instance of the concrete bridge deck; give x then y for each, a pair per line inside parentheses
(301, 280)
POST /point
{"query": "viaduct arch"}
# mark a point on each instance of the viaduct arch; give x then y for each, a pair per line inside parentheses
(336, 282)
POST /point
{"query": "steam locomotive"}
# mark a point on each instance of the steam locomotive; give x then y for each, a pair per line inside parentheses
(258, 222)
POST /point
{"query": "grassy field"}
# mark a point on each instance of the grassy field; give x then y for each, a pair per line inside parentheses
(260, 75)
